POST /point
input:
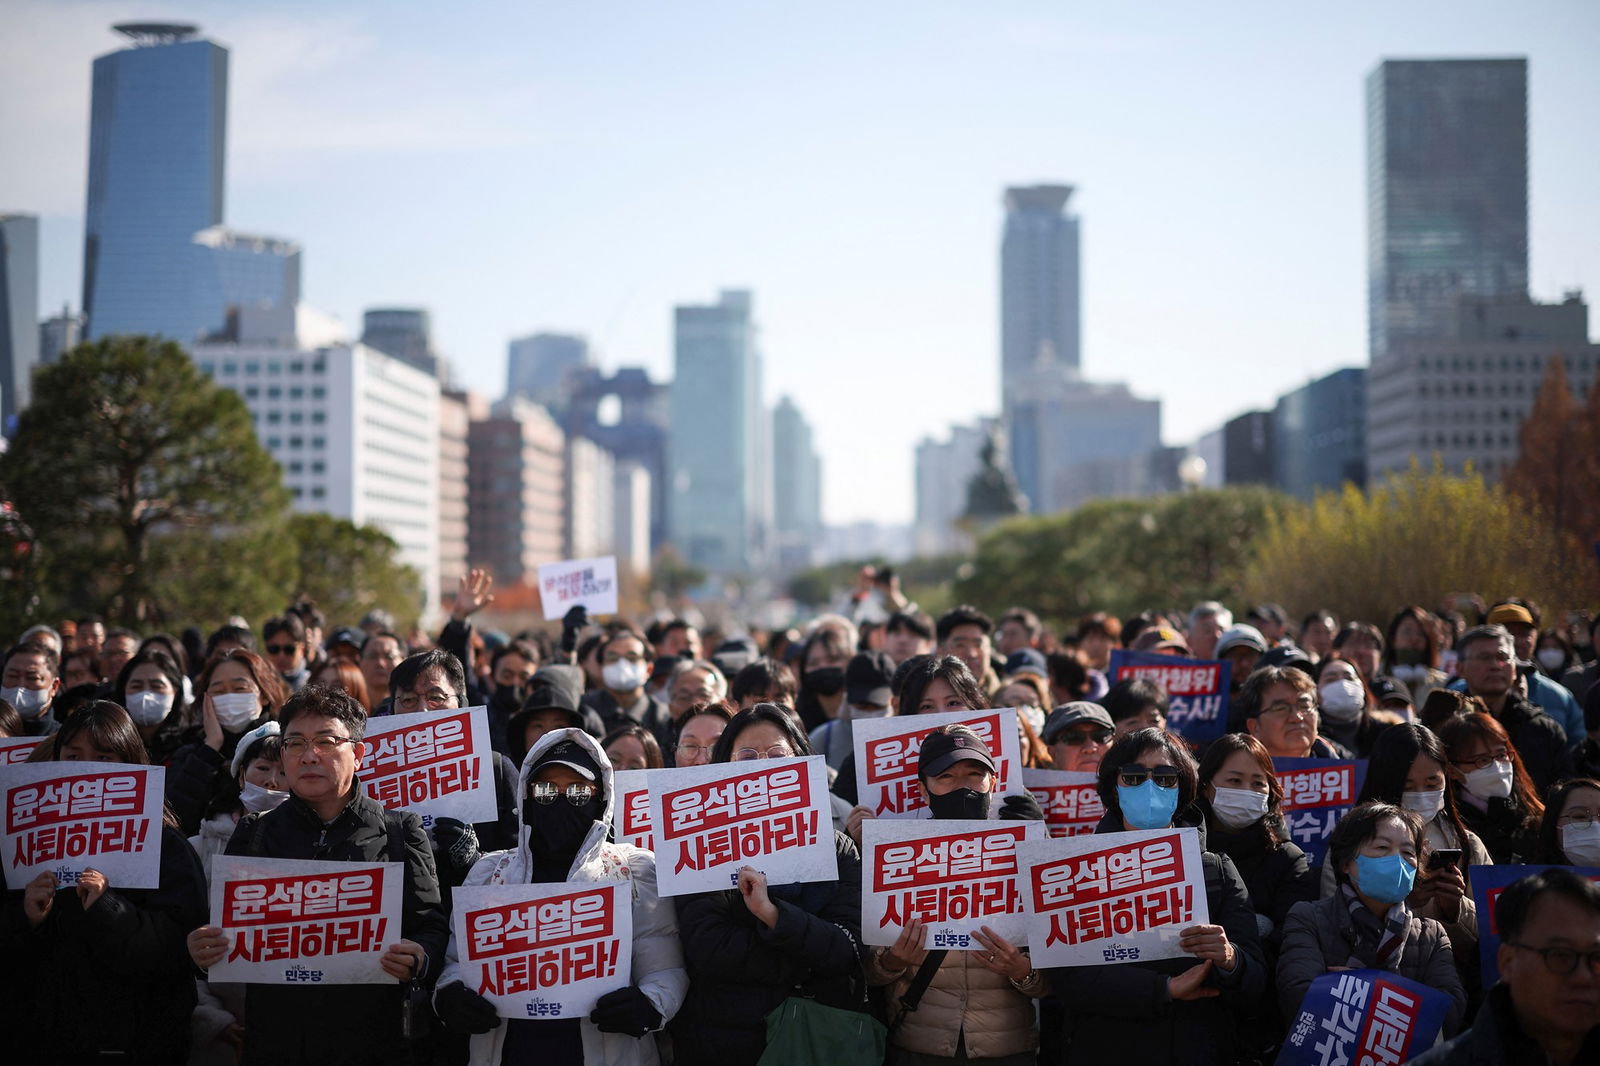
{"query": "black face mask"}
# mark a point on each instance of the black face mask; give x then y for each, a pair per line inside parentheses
(825, 682)
(559, 828)
(507, 698)
(962, 803)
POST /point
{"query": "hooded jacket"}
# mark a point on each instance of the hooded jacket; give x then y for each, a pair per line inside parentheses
(657, 966)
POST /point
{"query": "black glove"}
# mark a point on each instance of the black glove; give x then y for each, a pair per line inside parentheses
(1023, 808)
(463, 1009)
(456, 842)
(571, 622)
(627, 1011)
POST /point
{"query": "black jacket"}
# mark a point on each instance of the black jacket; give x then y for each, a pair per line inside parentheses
(196, 771)
(1538, 738)
(646, 711)
(1276, 879)
(112, 979)
(739, 970)
(343, 1024)
(1123, 1012)
(1505, 828)
(1496, 1039)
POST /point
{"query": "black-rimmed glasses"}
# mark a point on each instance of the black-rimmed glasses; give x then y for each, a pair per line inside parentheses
(1562, 961)
(1133, 776)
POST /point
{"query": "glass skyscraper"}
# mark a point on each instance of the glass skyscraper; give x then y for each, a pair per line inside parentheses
(19, 313)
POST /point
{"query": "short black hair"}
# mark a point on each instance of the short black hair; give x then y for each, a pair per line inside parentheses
(325, 701)
(230, 635)
(1516, 902)
(1131, 695)
(770, 713)
(916, 622)
(673, 624)
(761, 678)
(402, 677)
(308, 613)
(120, 632)
(1358, 827)
(1127, 750)
(515, 647)
(284, 623)
(1025, 618)
(964, 615)
(33, 647)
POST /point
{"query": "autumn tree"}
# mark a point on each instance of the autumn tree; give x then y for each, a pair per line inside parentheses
(1555, 458)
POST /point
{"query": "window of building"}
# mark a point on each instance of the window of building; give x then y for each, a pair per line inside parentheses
(296, 467)
(319, 467)
(252, 368)
(318, 392)
(296, 491)
(274, 392)
(319, 442)
(274, 443)
(297, 442)
(274, 368)
(318, 492)
(296, 392)
(318, 417)
(230, 368)
(274, 417)
(208, 368)
(296, 417)
(251, 392)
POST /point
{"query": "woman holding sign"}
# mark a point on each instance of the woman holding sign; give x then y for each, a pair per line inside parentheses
(1168, 1010)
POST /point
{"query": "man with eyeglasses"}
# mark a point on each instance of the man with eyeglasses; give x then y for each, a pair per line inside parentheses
(327, 817)
(1078, 735)
(284, 641)
(1546, 1007)
(1486, 661)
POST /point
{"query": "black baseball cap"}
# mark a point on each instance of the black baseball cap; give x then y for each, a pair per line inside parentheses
(1385, 688)
(555, 688)
(944, 749)
(867, 679)
(571, 754)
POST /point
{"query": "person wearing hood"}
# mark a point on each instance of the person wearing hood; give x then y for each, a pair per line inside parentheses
(238, 690)
(867, 694)
(31, 680)
(567, 792)
(554, 701)
(625, 660)
(1172, 1011)
(1493, 791)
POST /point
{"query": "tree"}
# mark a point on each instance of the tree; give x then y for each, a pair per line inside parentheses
(349, 569)
(1549, 471)
(126, 443)
(672, 576)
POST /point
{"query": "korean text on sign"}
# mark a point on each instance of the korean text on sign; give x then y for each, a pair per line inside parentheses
(1316, 794)
(953, 876)
(544, 951)
(773, 815)
(1197, 689)
(886, 751)
(630, 814)
(17, 749)
(65, 817)
(436, 763)
(1112, 897)
(1070, 800)
(1486, 883)
(591, 583)
(293, 921)
(1364, 1018)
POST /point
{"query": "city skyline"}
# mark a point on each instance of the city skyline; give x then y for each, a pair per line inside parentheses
(876, 320)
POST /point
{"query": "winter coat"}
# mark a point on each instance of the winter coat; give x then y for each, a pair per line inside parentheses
(1124, 1013)
(114, 979)
(646, 711)
(1496, 1039)
(1539, 739)
(964, 1001)
(291, 1023)
(657, 960)
(1323, 934)
(1505, 828)
(1276, 878)
(195, 773)
(212, 840)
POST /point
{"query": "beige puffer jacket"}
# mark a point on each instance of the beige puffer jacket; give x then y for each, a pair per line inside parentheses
(998, 1019)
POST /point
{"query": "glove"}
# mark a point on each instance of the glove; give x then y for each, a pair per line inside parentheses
(1023, 808)
(456, 842)
(571, 622)
(627, 1011)
(464, 1010)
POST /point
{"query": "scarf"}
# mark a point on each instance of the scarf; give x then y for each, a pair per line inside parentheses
(1378, 941)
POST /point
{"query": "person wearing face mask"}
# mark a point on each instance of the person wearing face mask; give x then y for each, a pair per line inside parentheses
(1375, 851)
(1411, 653)
(822, 663)
(567, 790)
(867, 694)
(1493, 792)
(238, 690)
(1569, 832)
(150, 686)
(511, 669)
(625, 660)
(976, 1005)
(30, 680)
(1350, 716)
(1177, 1011)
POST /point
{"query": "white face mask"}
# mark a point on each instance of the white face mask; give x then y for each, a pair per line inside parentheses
(149, 708)
(1552, 658)
(1581, 843)
(29, 702)
(1342, 700)
(1410, 674)
(1427, 804)
(1238, 808)
(1493, 781)
(235, 710)
(259, 800)
(624, 675)
(862, 712)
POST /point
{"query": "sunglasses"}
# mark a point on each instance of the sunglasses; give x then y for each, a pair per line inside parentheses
(282, 649)
(1079, 738)
(545, 792)
(1134, 776)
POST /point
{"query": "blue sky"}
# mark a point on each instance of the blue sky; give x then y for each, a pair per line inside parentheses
(584, 167)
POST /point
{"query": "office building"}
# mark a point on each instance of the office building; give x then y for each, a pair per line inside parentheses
(403, 333)
(1248, 443)
(944, 470)
(797, 488)
(1320, 435)
(627, 414)
(591, 500)
(457, 410)
(539, 367)
(59, 334)
(19, 314)
(1068, 422)
(631, 496)
(516, 491)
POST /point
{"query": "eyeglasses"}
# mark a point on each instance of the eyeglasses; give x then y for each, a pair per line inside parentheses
(1134, 776)
(1079, 738)
(282, 649)
(295, 747)
(546, 792)
(1562, 961)
(1582, 819)
(1484, 761)
(1304, 707)
(694, 751)
(410, 701)
(777, 751)
(1489, 657)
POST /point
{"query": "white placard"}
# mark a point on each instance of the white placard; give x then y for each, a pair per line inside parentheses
(1069, 797)
(630, 810)
(590, 582)
(544, 951)
(954, 875)
(436, 763)
(17, 749)
(302, 921)
(1112, 897)
(773, 815)
(66, 817)
(887, 749)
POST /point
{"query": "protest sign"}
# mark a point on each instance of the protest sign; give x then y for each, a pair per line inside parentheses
(1112, 897)
(1069, 798)
(299, 921)
(437, 763)
(544, 951)
(66, 817)
(1365, 1018)
(589, 582)
(886, 752)
(1197, 689)
(1487, 882)
(17, 749)
(773, 815)
(1316, 794)
(630, 809)
(954, 875)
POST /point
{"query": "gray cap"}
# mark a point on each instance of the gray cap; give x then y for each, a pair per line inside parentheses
(1071, 714)
(1240, 636)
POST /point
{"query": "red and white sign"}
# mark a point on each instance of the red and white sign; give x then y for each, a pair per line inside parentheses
(544, 951)
(1112, 897)
(437, 763)
(17, 749)
(773, 815)
(296, 921)
(65, 817)
(589, 582)
(630, 811)
(953, 875)
(1071, 803)
(887, 750)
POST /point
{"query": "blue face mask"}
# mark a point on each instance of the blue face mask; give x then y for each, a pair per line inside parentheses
(1147, 805)
(1387, 879)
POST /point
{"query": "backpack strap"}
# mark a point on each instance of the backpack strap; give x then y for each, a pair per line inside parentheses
(912, 999)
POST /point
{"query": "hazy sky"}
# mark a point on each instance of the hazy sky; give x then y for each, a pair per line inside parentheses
(584, 167)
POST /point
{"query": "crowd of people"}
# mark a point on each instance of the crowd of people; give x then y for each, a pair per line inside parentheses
(1478, 725)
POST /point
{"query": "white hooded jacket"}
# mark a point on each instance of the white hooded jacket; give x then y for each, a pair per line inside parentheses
(658, 967)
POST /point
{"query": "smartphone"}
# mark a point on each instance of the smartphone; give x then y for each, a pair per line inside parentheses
(1444, 857)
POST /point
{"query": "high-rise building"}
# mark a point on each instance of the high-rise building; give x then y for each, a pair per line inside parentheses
(1083, 437)
(401, 332)
(591, 499)
(631, 494)
(944, 470)
(457, 410)
(1320, 434)
(59, 334)
(627, 414)
(797, 487)
(540, 367)
(719, 504)
(516, 494)
(1447, 192)
(1248, 443)
(19, 313)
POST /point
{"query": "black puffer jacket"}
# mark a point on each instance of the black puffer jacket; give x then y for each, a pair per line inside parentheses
(1276, 878)
(197, 771)
(348, 1025)
(1496, 1039)
(114, 979)
(1503, 825)
(739, 970)
(1539, 739)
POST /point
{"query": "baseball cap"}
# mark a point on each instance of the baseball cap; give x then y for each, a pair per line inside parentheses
(1385, 688)
(1286, 655)
(571, 754)
(1027, 661)
(1160, 638)
(867, 677)
(1510, 614)
(1069, 714)
(266, 729)
(942, 750)
(344, 635)
(1240, 636)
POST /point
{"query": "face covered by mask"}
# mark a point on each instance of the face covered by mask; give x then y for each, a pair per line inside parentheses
(1581, 843)
(825, 681)
(149, 708)
(260, 800)
(1427, 804)
(236, 710)
(1239, 808)
(1493, 781)
(559, 828)
(1387, 879)
(1147, 805)
(1342, 700)
(961, 803)
(29, 702)
(1552, 659)
(624, 675)
(507, 698)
